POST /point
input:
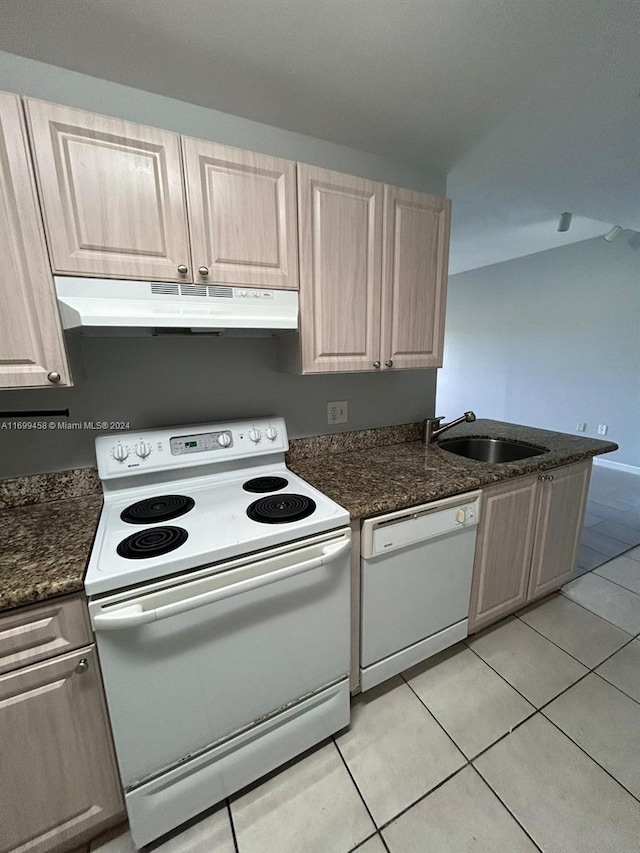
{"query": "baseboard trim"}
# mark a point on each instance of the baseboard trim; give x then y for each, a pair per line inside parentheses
(618, 466)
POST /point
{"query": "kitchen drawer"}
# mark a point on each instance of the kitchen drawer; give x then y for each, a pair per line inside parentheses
(43, 631)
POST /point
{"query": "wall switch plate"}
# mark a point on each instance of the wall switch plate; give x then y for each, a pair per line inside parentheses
(581, 427)
(337, 412)
(602, 429)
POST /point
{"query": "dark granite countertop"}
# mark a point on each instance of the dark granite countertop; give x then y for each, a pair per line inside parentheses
(396, 476)
(44, 548)
(45, 542)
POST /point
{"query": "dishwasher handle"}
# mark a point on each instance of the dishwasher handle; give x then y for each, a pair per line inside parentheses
(133, 614)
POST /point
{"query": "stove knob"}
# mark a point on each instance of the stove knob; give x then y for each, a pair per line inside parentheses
(142, 449)
(255, 435)
(120, 452)
(224, 439)
(271, 433)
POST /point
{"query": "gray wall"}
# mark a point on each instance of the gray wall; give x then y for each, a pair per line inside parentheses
(158, 381)
(549, 340)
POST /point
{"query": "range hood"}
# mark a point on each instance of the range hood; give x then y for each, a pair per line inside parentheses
(114, 306)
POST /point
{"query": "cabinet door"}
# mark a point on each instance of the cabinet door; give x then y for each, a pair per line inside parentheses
(416, 257)
(57, 774)
(31, 339)
(112, 194)
(30, 634)
(340, 222)
(503, 550)
(563, 497)
(242, 215)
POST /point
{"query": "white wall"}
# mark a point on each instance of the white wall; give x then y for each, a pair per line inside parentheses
(158, 381)
(549, 340)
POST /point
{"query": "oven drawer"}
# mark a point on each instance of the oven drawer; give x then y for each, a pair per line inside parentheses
(192, 663)
(44, 631)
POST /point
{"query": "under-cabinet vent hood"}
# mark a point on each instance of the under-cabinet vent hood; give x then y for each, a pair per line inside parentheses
(92, 305)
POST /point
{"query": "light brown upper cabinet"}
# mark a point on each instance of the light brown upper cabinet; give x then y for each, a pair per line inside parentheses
(416, 257)
(373, 268)
(32, 352)
(112, 195)
(340, 225)
(242, 215)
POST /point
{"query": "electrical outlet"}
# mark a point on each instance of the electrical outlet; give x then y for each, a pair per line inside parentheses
(337, 412)
(602, 429)
(581, 427)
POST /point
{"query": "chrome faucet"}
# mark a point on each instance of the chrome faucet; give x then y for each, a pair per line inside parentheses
(431, 428)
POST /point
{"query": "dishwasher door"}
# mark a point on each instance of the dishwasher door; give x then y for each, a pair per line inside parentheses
(416, 570)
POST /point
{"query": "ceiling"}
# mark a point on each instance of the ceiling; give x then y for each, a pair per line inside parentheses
(530, 107)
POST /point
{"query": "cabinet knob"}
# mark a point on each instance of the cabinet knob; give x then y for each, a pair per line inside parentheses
(389, 363)
(183, 269)
(376, 364)
(204, 271)
(54, 377)
(82, 666)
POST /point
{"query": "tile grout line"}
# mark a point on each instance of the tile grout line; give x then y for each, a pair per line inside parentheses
(360, 794)
(422, 797)
(366, 840)
(553, 642)
(233, 828)
(611, 684)
(564, 690)
(507, 809)
(595, 761)
(590, 572)
(584, 675)
(604, 577)
(433, 716)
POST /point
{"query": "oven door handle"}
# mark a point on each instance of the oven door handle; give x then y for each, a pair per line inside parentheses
(133, 613)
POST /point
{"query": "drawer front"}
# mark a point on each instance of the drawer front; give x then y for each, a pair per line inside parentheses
(44, 631)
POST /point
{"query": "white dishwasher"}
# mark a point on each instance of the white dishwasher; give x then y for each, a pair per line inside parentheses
(416, 569)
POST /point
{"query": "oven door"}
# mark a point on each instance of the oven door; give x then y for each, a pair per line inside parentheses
(189, 663)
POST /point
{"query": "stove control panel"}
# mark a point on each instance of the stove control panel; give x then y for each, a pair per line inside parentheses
(201, 442)
(127, 454)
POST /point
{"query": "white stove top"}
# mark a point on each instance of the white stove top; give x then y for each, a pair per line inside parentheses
(217, 526)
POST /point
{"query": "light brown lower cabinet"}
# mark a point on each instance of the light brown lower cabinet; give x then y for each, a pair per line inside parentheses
(527, 541)
(58, 781)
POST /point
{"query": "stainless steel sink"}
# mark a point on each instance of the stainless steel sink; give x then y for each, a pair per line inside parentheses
(491, 449)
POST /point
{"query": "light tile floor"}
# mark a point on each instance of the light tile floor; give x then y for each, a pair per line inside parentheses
(523, 738)
(612, 522)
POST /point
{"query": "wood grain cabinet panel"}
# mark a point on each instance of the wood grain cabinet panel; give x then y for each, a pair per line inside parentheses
(527, 540)
(35, 633)
(373, 272)
(340, 224)
(242, 213)
(503, 550)
(58, 783)
(32, 351)
(416, 252)
(112, 194)
(561, 509)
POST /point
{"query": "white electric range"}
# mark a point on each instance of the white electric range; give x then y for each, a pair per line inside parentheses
(219, 595)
